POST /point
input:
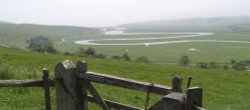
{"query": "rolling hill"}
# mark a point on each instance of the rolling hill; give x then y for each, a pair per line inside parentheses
(212, 24)
(16, 35)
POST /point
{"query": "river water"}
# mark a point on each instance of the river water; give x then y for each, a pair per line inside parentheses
(186, 35)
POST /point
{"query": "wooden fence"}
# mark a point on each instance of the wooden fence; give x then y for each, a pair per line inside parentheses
(72, 82)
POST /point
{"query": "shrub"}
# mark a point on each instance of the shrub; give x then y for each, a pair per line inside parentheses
(184, 60)
(142, 59)
(202, 65)
(68, 53)
(213, 65)
(233, 61)
(41, 44)
(116, 57)
(240, 66)
(225, 67)
(126, 57)
(90, 51)
(100, 55)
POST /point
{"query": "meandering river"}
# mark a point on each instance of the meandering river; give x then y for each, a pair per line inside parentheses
(181, 35)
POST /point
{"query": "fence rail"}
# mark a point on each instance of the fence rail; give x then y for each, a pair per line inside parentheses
(125, 83)
(72, 83)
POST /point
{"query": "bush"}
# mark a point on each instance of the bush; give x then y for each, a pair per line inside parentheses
(90, 51)
(202, 65)
(233, 61)
(240, 66)
(184, 60)
(68, 53)
(41, 44)
(213, 65)
(126, 57)
(225, 67)
(116, 57)
(142, 59)
(101, 56)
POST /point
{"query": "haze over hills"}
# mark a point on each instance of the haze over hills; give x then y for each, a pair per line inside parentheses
(212, 24)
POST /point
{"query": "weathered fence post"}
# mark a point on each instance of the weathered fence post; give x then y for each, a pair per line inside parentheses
(176, 84)
(174, 101)
(67, 89)
(46, 89)
(81, 68)
(194, 98)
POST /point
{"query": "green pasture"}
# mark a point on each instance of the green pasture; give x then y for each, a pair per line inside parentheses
(223, 90)
(170, 53)
(16, 36)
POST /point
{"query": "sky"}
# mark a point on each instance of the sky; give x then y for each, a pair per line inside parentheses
(102, 13)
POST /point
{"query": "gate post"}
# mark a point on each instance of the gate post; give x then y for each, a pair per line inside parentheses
(68, 96)
(174, 101)
(194, 98)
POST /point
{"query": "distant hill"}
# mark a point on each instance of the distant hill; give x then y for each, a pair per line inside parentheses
(3, 22)
(16, 35)
(213, 24)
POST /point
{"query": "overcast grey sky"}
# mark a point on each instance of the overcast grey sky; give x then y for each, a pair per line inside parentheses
(94, 13)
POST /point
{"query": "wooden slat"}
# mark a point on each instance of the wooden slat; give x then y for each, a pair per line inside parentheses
(114, 105)
(25, 83)
(125, 83)
(97, 96)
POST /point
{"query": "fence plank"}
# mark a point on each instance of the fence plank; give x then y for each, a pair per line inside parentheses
(25, 83)
(97, 97)
(46, 89)
(114, 105)
(125, 83)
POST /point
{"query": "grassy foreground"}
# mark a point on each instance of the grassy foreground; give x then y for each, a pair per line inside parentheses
(223, 90)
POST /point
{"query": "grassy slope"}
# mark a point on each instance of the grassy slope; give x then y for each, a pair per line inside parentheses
(223, 90)
(13, 35)
(16, 35)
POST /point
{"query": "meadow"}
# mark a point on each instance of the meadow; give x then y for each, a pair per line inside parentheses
(16, 36)
(227, 90)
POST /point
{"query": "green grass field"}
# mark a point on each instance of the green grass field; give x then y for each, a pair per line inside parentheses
(13, 35)
(223, 90)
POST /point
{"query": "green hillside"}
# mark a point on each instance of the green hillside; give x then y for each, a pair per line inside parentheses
(223, 90)
(16, 35)
(213, 24)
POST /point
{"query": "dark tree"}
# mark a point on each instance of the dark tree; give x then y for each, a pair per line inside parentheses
(184, 60)
(202, 65)
(41, 44)
(225, 67)
(90, 51)
(126, 57)
(240, 66)
(100, 55)
(116, 57)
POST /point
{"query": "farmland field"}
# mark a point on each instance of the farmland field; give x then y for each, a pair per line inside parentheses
(223, 90)
(220, 47)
